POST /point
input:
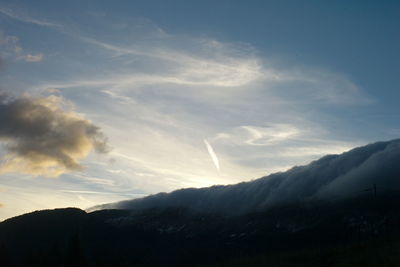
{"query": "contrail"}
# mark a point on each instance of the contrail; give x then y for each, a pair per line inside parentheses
(212, 154)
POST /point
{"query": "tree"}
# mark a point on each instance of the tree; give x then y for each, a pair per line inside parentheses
(75, 255)
(4, 256)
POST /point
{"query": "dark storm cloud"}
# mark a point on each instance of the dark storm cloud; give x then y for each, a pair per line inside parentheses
(332, 177)
(42, 137)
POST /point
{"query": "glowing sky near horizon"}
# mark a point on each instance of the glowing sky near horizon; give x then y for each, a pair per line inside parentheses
(185, 93)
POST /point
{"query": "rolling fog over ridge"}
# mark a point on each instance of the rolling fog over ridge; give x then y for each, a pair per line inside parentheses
(332, 177)
(322, 214)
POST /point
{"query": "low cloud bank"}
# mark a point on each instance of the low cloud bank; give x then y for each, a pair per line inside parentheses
(41, 136)
(332, 177)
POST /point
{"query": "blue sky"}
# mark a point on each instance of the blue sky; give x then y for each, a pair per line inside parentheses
(196, 93)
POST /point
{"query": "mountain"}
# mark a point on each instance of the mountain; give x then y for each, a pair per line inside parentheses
(331, 178)
(328, 213)
(363, 231)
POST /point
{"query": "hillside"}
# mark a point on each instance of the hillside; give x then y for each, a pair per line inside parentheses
(178, 237)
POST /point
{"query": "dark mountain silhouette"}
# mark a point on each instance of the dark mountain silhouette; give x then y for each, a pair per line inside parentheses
(323, 221)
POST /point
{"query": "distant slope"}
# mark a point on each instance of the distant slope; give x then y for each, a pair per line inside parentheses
(332, 177)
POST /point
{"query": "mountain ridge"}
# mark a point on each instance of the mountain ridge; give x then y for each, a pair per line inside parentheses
(180, 237)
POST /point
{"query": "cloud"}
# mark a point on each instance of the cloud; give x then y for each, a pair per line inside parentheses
(331, 178)
(212, 154)
(204, 64)
(219, 65)
(374, 164)
(11, 48)
(32, 58)
(41, 137)
(25, 18)
(261, 136)
(1, 205)
(9, 45)
(276, 146)
(201, 64)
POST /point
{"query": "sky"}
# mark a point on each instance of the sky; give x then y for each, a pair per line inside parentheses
(103, 101)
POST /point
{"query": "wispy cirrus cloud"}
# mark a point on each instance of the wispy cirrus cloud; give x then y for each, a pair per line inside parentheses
(218, 69)
(212, 68)
(212, 154)
(173, 84)
(215, 64)
(269, 135)
(276, 146)
(206, 62)
(26, 18)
